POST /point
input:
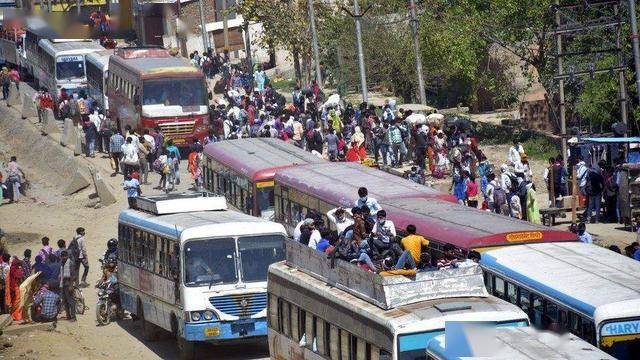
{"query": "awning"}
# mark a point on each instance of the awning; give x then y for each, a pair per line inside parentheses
(635, 139)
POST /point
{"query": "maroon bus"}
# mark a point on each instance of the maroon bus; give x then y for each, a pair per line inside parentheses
(321, 187)
(243, 170)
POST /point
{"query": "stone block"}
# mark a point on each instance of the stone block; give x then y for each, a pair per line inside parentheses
(77, 150)
(29, 109)
(76, 183)
(14, 95)
(104, 191)
(68, 133)
(49, 123)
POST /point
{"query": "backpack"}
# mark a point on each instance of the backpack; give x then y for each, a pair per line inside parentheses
(593, 187)
(499, 196)
(74, 248)
(310, 135)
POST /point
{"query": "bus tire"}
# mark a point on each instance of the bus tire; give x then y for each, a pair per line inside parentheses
(149, 330)
(186, 349)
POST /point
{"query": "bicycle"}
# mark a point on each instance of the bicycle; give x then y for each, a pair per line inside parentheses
(79, 299)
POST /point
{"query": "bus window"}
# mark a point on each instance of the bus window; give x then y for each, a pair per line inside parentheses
(538, 310)
(574, 323)
(511, 293)
(523, 301)
(257, 253)
(210, 262)
(551, 311)
(488, 282)
(499, 289)
(265, 201)
(588, 331)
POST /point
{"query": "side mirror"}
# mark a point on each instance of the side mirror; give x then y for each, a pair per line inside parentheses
(210, 95)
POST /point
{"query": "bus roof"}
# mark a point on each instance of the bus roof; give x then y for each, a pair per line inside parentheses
(40, 28)
(465, 227)
(583, 276)
(259, 158)
(338, 183)
(390, 291)
(100, 58)
(522, 343)
(189, 225)
(150, 66)
(416, 317)
(69, 47)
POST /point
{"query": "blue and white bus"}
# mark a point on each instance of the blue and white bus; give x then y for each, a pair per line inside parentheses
(188, 266)
(590, 291)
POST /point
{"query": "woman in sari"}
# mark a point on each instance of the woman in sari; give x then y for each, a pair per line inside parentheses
(533, 214)
(12, 293)
(194, 168)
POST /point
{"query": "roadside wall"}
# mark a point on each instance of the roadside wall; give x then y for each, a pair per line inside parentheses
(35, 151)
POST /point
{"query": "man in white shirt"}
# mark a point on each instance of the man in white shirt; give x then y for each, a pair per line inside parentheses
(370, 202)
(505, 177)
(297, 231)
(384, 235)
(338, 217)
(514, 152)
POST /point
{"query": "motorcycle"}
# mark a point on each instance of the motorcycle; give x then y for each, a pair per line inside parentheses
(108, 303)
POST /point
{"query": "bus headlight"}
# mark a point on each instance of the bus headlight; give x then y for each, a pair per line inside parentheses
(195, 316)
(209, 315)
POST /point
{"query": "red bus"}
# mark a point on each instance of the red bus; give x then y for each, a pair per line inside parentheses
(243, 171)
(148, 87)
(321, 187)
(467, 228)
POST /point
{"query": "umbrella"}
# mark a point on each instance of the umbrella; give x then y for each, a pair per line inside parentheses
(333, 100)
(435, 119)
(417, 119)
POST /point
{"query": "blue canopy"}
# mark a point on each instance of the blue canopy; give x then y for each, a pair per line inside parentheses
(613, 140)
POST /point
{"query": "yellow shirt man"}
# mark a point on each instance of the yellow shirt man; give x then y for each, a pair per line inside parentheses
(414, 244)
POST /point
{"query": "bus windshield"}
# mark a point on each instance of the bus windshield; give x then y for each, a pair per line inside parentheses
(265, 200)
(174, 92)
(257, 253)
(210, 262)
(70, 67)
(621, 339)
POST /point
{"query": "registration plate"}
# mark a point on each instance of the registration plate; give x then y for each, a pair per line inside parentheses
(179, 141)
(214, 331)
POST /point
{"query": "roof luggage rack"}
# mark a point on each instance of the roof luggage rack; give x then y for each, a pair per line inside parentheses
(181, 203)
(147, 51)
(390, 291)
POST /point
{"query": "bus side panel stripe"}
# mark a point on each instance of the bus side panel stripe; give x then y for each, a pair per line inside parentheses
(492, 263)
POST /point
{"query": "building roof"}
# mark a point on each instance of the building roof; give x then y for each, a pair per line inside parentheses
(259, 158)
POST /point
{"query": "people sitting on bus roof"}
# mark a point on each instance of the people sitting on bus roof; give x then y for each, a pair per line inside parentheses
(341, 218)
(365, 200)
(383, 236)
(412, 245)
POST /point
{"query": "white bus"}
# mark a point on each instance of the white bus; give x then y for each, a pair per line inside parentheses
(589, 290)
(61, 65)
(522, 343)
(188, 266)
(97, 77)
(318, 312)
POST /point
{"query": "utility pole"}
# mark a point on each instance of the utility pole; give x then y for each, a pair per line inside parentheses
(416, 50)
(622, 84)
(247, 40)
(78, 2)
(563, 120)
(314, 40)
(636, 46)
(203, 26)
(49, 6)
(143, 35)
(225, 25)
(363, 74)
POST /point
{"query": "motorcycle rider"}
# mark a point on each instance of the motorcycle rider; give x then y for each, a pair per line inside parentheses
(112, 251)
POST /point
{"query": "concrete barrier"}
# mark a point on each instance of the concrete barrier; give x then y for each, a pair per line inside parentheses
(104, 191)
(35, 151)
(68, 133)
(14, 95)
(77, 149)
(29, 109)
(49, 123)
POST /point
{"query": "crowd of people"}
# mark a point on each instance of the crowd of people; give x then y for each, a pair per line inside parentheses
(364, 236)
(50, 278)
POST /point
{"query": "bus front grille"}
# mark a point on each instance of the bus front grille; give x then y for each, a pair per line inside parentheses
(241, 305)
(177, 128)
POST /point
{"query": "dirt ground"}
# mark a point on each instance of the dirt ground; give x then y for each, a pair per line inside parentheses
(46, 213)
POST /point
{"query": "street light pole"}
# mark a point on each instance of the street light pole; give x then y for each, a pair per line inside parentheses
(363, 75)
(314, 40)
(203, 26)
(416, 50)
